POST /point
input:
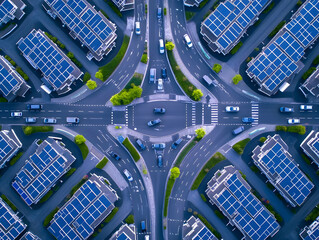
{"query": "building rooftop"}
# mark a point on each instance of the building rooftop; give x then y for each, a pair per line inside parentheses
(124, 5)
(310, 146)
(58, 70)
(92, 28)
(42, 170)
(311, 85)
(86, 209)
(126, 232)
(9, 146)
(29, 236)
(192, 3)
(274, 160)
(11, 9)
(194, 229)
(231, 194)
(310, 232)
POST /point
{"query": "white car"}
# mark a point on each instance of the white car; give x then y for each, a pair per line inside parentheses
(128, 175)
(305, 107)
(16, 114)
(137, 28)
(293, 120)
(232, 109)
(160, 84)
(188, 41)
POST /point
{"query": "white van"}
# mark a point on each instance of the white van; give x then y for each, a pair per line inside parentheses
(137, 28)
(161, 46)
(71, 120)
(188, 41)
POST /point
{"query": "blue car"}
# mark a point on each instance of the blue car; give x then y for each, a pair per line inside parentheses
(164, 73)
(247, 120)
(140, 144)
(159, 110)
(160, 160)
(154, 122)
(158, 145)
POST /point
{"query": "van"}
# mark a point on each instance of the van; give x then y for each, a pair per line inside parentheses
(72, 120)
(209, 81)
(188, 41)
(137, 28)
(34, 106)
(152, 75)
(159, 13)
(161, 46)
(143, 226)
(238, 130)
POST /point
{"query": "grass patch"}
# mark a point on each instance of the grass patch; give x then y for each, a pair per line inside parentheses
(70, 172)
(86, 77)
(313, 214)
(308, 73)
(102, 163)
(210, 227)
(28, 130)
(114, 7)
(255, 169)
(189, 15)
(203, 197)
(277, 29)
(84, 150)
(306, 159)
(111, 215)
(300, 129)
(50, 216)
(240, 146)
(182, 155)
(109, 68)
(127, 143)
(203, 3)
(169, 187)
(236, 48)
(104, 13)
(268, 9)
(129, 219)
(144, 58)
(46, 197)
(78, 185)
(218, 157)
(11, 205)
(185, 84)
(219, 214)
(136, 80)
(3, 100)
(15, 158)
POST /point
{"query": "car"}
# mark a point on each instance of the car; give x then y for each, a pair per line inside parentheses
(160, 160)
(247, 120)
(49, 120)
(160, 84)
(158, 145)
(140, 144)
(232, 109)
(71, 120)
(128, 175)
(147, 237)
(161, 46)
(238, 130)
(16, 114)
(143, 226)
(152, 75)
(137, 28)
(305, 107)
(159, 13)
(34, 106)
(293, 120)
(30, 120)
(164, 73)
(154, 122)
(210, 81)
(188, 41)
(176, 143)
(115, 155)
(286, 109)
(159, 110)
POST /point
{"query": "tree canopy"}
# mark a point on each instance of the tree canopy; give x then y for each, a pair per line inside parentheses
(200, 133)
(237, 78)
(126, 96)
(79, 139)
(175, 172)
(91, 84)
(217, 68)
(169, 46)
(197, 94)
(99, 75)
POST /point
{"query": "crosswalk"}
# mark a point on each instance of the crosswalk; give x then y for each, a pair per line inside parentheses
(255, 113)
(193, 114)
(214, 113)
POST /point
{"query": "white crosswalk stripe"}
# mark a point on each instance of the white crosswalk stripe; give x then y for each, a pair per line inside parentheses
(255, 113)
(214, 113)
(126, 116)
(193, 114)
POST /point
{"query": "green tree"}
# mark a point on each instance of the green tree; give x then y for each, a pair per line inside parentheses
(135, 91)
(70, 55)
(197, 94)
(175, 172)
(28, 130)
(116, 100)
(99, 75)
(237, 78)
(169, 46)
(91, 84)
(79, 139)
(126, 97)
(217, 68)
(200, 133)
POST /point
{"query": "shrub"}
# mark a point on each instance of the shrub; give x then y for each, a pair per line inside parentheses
(126, 96)
(237, 78)
(236, 48)
(219, 214)
(15, 158)
(91, 84)
(203, 197)
(28, 130)
(86, 77)
(175, 172)
(79, 139)
(217, 68)
(50, 216)
(300, 129)
(144, 58)
(200, 133)
(169, 187)
(11, 205)
(308, 73)
(169, 46)
(262, 139)
(78, 185)
(270, 6)
(316, 61)
(255, 169)
(299, 3)
(197, 94)
(99, 75)
(129, 219)
(70, 172)
(46, 196)
(135, 155)
(102, 163)
(281, 128)
(277, 29)
(2, 99)
(111, 215)
(22, 73)
(240, 146)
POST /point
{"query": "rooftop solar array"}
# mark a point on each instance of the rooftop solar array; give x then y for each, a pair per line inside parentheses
(29, 236)
(94, 30)
(41, 172)
(5, 147)
(194, 229)
(274, 160)
(279, 60)
(310, 145)
(10, 224)
(126, 232)
(124, 5)
(311, 85)
(43, 54)
(6, 8)
(311, 232)
(82, 213)
(235, 200)
(228, 22)
(9, 145)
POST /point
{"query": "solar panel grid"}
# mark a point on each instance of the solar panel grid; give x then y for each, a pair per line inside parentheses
(7, 82)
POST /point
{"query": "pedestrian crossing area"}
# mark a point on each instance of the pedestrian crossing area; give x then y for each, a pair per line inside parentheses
(214, 113)
(193, 114)
(255, 113)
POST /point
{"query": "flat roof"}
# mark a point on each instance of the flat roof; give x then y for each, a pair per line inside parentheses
(29, 236)
(195, 229)
(310, 232)
(6, 8)
(9, 145)
(310, 146)
(126, 232)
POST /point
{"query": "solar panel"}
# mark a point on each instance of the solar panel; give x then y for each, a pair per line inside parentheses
(5, 148)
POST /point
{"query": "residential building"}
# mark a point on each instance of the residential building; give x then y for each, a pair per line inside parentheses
(42, 170)
(194, 229)
(310, 232)
(126, 232)
(11, 9)
(9, 146)
(29, 236)
(124, 5)
(311, 85)
(274, 160)
(232, 195)
(310, 146)
(192, 3)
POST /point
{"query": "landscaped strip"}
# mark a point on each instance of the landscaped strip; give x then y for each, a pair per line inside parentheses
(169, 187)
(240, 146)
(78, 185)
(300, 129)
(109, 68)
(313, 215)
(46, 196)
(277, 29)
(210, 227)
(12, 206)
(15, 158)
(106, 220)
(50, 216)
(18, 69)
(218, 157)
(102, 163)
(184, 152)
(135, 155)
(28, 130)
(114, 8)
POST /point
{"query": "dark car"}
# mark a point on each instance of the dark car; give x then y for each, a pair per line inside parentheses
(30, 120)
(176, 143)
(160, 160)
(286, 109)
(247, 120)
(238, 130)
(154, 122)
(140, 144)
(159, 110)
(159, 13)
(115, 155)
(164, 73)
